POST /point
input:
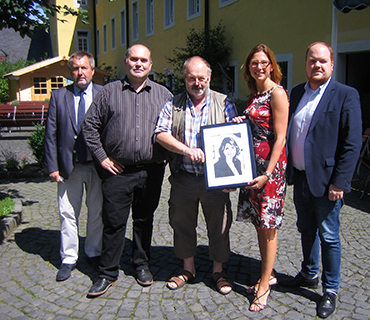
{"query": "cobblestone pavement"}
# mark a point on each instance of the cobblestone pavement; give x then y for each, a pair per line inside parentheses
(29, 260)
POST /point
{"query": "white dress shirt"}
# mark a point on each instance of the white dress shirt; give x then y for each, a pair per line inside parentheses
(301, 122)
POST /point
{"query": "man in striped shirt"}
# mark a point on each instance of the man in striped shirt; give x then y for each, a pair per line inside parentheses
(178, 130)
(118, 130)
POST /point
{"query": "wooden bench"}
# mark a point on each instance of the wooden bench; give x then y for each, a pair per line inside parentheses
(26, 113)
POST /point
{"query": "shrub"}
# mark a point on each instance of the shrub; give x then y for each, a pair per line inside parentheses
(11, 160)
(6, 205)
(36, 143)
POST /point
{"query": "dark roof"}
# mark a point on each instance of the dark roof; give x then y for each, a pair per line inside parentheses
(13, 46)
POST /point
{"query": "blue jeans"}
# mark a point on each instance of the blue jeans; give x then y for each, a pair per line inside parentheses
(318, 222)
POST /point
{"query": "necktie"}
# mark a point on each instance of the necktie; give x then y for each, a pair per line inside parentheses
(81, 147)
(81, 110)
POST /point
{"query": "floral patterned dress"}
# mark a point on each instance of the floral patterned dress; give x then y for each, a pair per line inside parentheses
(264, 207)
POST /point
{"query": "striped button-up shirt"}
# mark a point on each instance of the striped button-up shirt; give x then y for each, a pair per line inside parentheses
(193, 122)
(120, 122)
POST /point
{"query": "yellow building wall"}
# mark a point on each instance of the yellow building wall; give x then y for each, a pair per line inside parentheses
(64, 34)
(287, 27)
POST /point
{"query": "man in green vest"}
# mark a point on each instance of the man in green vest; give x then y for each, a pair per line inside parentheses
(178, 130)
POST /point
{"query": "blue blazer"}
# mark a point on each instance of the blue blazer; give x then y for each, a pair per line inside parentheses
(334, 138)
(61, 131)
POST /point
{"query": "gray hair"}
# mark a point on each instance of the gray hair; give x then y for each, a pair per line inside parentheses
(186, 64)
(79, 55)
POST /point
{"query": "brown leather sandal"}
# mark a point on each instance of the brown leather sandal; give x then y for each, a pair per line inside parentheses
(182, 277)
(221, 281)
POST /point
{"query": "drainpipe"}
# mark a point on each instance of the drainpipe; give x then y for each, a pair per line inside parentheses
(94, 30)
(127, 25)
(206, 23)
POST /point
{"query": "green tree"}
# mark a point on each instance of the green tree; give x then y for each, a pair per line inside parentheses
(210, 44)
(6, 67)
(25, 16)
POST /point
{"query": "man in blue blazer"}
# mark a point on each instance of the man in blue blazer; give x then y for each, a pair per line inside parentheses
(69, 163)
(324, 141)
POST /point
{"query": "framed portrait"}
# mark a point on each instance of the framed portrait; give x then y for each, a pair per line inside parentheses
(229, 153)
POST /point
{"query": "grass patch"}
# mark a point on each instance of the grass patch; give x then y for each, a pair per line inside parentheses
(6, 205)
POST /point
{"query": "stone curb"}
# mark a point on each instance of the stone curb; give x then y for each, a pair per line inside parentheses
(11, 221)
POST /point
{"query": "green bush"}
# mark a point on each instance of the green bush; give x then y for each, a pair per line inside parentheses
(6, 205)
(36, 143)
(11, 160)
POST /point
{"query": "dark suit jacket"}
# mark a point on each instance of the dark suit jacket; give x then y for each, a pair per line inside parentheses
(222, 169)
(333, 140)
(61, 131)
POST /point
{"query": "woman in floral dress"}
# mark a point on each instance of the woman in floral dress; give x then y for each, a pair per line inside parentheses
(261, 202)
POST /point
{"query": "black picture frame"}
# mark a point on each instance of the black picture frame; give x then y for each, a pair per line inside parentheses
(220, 170)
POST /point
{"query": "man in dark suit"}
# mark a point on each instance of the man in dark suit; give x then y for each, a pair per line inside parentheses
(69, 163)
(324, 140)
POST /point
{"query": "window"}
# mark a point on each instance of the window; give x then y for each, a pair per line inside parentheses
(193, 9)
(230, 83)
(113, 34)
(123, 27)
(169, 13)
(83, 41)
(135, 21)
(97, 43)
(169, 79)
(40, 85)
(149, 17)
(105, 38)
(285, 62)
(82, 3)
(56, 82)
(224, 3)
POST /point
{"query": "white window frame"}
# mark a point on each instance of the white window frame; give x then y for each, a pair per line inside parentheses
(224, 3)
(233, 95)
(149, 17)
(123, 26)
(169, 74)
(78, 37)
(80, 3)
(113, 32)
(340, 59)
(192, 4)
(105, 40)
(287, 57)
(135, 20)
(97, 42)
(169, 13)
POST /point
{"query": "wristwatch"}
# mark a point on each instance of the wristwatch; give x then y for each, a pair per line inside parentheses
(268, 175)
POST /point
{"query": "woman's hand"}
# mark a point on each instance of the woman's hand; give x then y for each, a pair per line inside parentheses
(239, 119)
(257, 183)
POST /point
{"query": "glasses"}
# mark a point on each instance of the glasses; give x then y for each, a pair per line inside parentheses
(264, 64)
(192, 80)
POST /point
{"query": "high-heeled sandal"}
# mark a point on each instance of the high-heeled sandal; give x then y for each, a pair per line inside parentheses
(253, 290)
(260, 305)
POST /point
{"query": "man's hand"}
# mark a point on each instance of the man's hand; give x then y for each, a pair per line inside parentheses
(112, 166)
(195, 154)
(335, 193)
(55, 176)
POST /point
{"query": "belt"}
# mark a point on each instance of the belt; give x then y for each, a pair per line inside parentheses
(300, 172)
(139, 167)
(192, 174)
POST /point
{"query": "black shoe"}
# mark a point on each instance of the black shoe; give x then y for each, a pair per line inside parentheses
(65, 271)
(143, 275)
(327, 305)
(300, 281)
(100, 287)
(94, 262)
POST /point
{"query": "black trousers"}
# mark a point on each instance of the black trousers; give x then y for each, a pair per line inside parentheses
(139, 189)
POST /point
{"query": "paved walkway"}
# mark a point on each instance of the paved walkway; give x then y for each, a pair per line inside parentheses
(29, 260)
